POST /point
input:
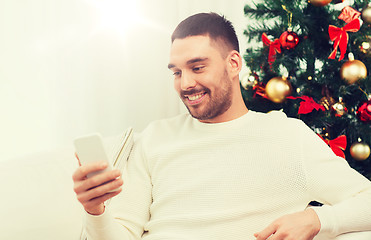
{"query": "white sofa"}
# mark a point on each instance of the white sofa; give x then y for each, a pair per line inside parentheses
(37, 198)
(38, 202)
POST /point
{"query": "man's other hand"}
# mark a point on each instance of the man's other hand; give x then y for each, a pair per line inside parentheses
(303, 225)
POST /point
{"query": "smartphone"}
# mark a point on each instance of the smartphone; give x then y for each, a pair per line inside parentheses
(90, 149)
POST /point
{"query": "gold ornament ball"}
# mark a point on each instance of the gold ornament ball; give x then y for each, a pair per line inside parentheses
(327, 102)
(353, 70)
(366, 14)
(319, 3)
(277, 89)
(360, 151)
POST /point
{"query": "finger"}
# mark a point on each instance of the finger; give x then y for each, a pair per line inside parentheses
(99, 191)
(77, 157)
(85, 169)
(266, 233)
(101, 179)
(99, 200)
(96, 180)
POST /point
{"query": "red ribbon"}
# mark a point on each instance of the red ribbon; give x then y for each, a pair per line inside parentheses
(307, 105)
(348, 14)
(337, 145)
(340, 37)
(274, 47)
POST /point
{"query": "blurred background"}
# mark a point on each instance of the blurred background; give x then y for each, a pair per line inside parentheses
(71, 67)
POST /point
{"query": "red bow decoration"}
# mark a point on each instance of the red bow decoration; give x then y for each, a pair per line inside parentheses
(307, 105)
(337, 145)
(340, 37)
(348, 14)
(274, 47)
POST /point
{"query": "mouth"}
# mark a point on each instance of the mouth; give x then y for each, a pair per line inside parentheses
(195, 98)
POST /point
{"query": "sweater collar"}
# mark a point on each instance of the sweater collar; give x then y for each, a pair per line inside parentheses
(235, 123)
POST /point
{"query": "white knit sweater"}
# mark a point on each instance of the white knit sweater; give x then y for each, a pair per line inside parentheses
(190, 180)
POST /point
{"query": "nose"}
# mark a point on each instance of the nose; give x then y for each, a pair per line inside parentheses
(187, 82)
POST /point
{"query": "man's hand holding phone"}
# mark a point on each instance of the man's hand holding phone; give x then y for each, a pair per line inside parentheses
(94, 181)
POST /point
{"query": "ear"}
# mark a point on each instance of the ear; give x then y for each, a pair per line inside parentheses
(234, 63)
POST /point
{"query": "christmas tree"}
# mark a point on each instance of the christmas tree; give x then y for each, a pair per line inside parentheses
(311, 59)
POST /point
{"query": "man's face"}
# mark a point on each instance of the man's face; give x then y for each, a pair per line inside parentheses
(200, 77)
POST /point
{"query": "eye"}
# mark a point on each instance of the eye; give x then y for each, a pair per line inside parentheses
(177, 73)
(198, 69)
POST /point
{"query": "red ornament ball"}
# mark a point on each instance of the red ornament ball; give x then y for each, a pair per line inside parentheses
(319, 3)
(289, 39)
(364, 111)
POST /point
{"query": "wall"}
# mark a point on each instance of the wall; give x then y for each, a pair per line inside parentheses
(73, 67)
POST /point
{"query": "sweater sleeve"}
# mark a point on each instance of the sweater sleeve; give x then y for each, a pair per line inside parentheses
(128, 212)
(331, 181)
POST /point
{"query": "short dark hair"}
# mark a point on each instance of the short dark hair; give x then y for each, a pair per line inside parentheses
(217, 27)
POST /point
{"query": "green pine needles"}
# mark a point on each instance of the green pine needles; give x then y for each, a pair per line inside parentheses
(308, 68)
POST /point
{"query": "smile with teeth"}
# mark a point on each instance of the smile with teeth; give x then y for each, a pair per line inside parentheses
(196, 98)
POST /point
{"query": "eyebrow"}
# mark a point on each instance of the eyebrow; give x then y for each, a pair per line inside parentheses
(191, 61)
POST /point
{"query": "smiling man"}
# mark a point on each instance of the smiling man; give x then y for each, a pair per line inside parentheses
(206, 66)
(205, 79)
(221, 171)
